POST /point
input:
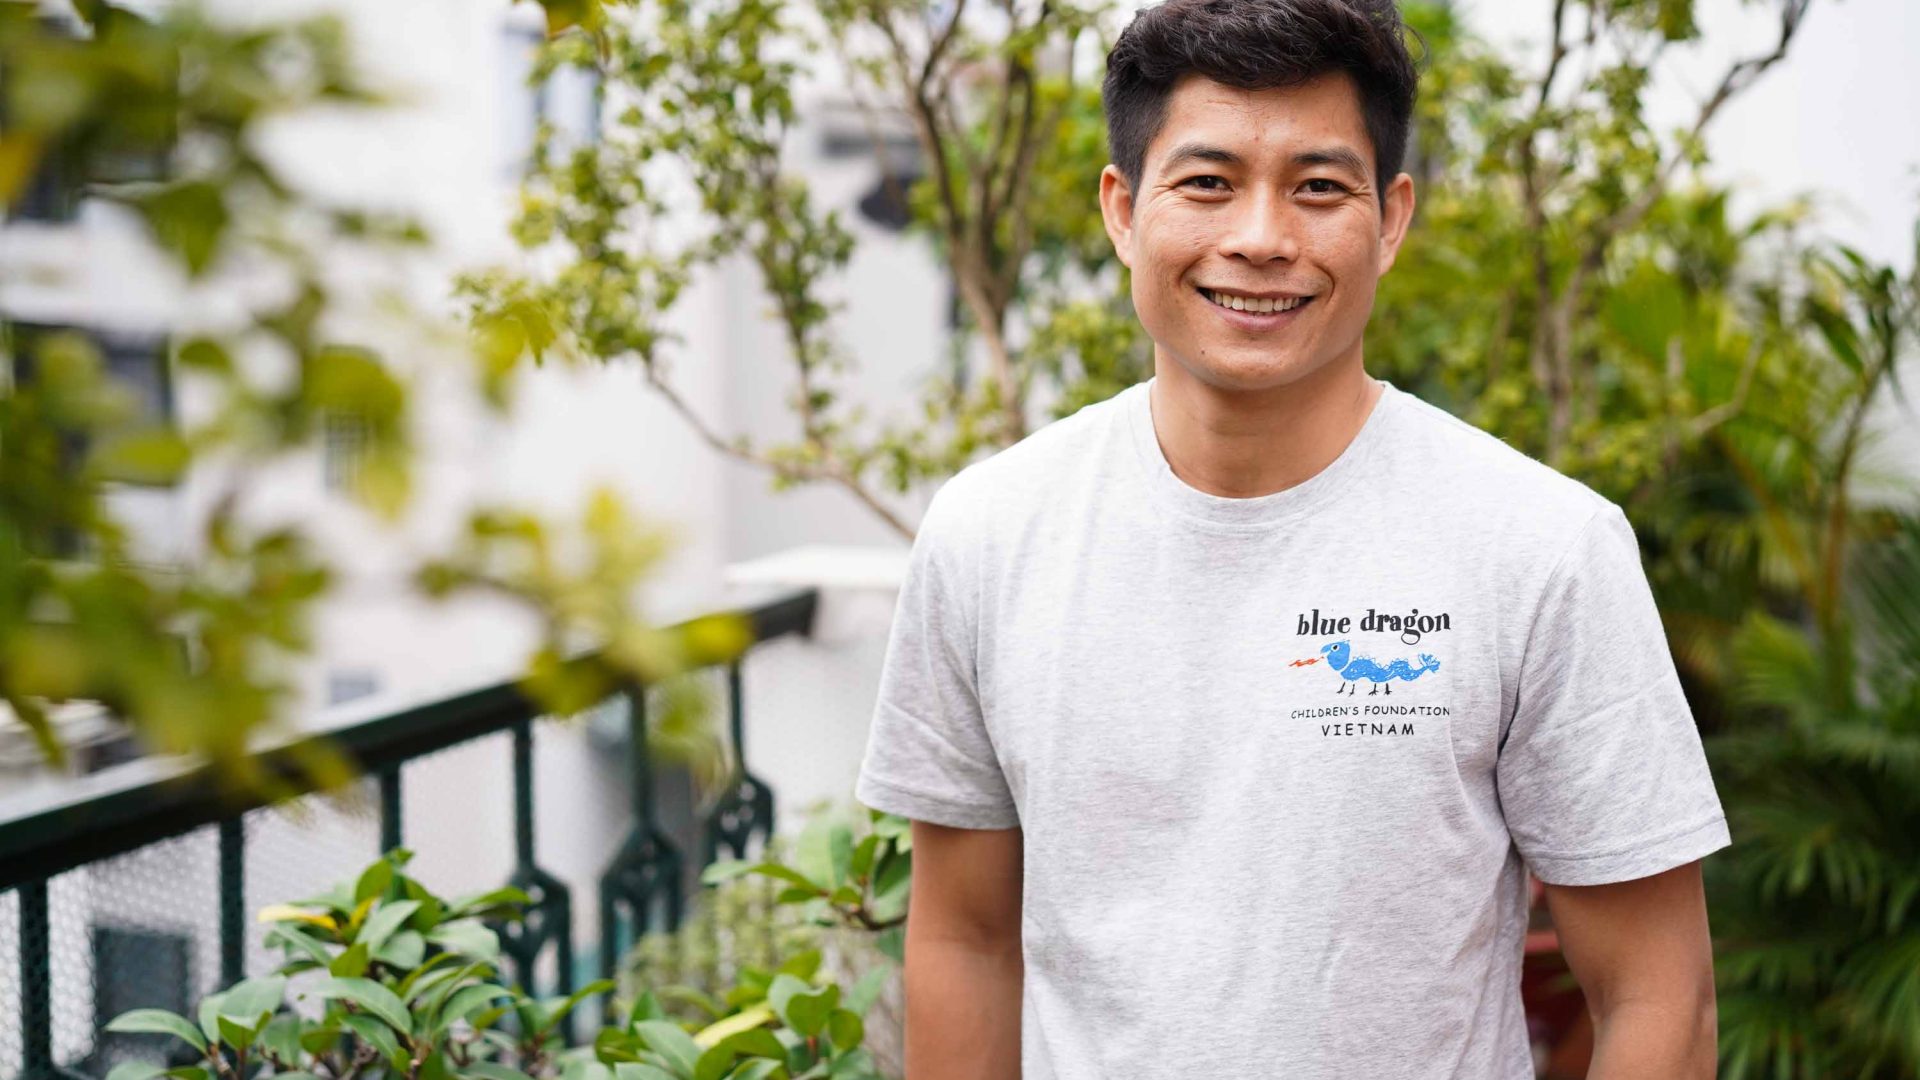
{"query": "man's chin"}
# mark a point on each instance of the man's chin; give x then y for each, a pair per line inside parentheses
(1248, 371)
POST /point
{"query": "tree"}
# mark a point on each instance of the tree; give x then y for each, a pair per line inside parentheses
(1538, 186)
(707, 86)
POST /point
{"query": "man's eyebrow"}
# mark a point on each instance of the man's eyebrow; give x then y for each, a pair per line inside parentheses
(1337, 156)
(1194, 151)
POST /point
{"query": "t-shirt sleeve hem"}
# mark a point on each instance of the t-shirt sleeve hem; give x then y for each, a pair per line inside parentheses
(1643, 861)
(918, 806)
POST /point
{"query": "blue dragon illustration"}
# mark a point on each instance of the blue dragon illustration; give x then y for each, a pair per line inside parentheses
(1352, 668)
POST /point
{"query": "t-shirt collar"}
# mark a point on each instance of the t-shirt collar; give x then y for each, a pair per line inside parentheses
(1262, 511)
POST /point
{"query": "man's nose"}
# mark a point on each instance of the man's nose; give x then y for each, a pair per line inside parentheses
(1263, 227)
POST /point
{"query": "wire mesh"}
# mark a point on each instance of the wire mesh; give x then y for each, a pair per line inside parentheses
(12, 1041)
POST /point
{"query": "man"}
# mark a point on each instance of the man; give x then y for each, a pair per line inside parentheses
(1232, 712)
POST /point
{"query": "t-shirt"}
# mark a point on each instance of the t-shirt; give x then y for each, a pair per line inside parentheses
(1281, 762)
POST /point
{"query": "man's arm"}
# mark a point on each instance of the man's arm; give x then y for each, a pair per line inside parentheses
(963, 963)
(1645, 961)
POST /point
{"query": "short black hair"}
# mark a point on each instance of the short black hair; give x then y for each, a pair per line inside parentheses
(1255, 45)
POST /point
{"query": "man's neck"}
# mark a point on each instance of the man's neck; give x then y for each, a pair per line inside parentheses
(1244, 444)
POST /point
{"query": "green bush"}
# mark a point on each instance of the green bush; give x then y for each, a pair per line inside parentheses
(409, 985)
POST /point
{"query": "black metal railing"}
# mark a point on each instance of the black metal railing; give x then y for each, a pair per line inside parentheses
(87, 819)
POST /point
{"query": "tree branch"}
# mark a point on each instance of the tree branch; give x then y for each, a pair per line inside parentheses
(1739, 76)
(832, 472)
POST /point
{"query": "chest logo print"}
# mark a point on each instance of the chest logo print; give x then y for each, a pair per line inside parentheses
(1352, 669)
(1380, 670)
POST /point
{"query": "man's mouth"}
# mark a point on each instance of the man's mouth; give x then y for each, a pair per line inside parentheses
(1252, 305)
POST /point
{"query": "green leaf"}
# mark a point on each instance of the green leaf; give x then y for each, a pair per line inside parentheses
(802, 965)
(209, 1017)
(672, 1041)
(804, 1009)
(375, 1032)
(489, 902)
(373, 882)
(789, 874)
(760, 1069)
(320, 1039)
(646, 1007)
(406, 990)
(468, 938)
(726, 870)
(854, 1065)
(556, 1012)
(699, 999)
(143, 457)
(486, 1018)
(760, 1042)
(862, 863)
(846, 1029)
(465, 1000)
(493, 1070)
(372, 997)
(188, 217)
(282, 1037)
(866, 991)
(403, 950)
(251, 999)
(351, 963)
(233, 1032)
(720, 1031)
(639, 1070)
(160, 1022)
(840, 851)
(896, 877)
(135, 1070)
(585, 1069)
(384, 921)
(715, 1063)
(295, 940)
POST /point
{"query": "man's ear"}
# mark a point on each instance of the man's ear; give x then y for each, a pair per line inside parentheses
(1395, 216)
(1116, 210)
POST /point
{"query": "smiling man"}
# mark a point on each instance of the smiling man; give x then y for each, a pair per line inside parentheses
(1233, 711)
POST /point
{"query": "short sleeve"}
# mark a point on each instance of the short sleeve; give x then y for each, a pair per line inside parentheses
(928, 754)
(1601, 774)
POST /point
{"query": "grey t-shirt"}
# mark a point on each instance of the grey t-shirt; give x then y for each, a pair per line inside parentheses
(1279, 761)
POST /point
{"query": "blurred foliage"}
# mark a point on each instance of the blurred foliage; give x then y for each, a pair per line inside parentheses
(409, 984)
(756, 915)
(1818, 947)
(161, 116)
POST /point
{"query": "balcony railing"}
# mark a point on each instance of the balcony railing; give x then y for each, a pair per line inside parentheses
(55, 829)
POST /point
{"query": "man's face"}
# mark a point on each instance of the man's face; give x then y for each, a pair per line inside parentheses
(1234, 209)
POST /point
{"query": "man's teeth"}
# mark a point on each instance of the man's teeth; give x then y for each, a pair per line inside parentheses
(1241, 303)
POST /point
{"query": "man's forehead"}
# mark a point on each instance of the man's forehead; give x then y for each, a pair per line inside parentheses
(1274, 120)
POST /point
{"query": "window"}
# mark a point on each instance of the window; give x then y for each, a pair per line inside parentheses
(343, 447)
(351, 684)
(132, 142)
(568, 98)
(136, 362)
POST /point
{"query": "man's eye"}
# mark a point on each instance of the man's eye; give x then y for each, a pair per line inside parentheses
(1324, 180)
(1198, 179)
